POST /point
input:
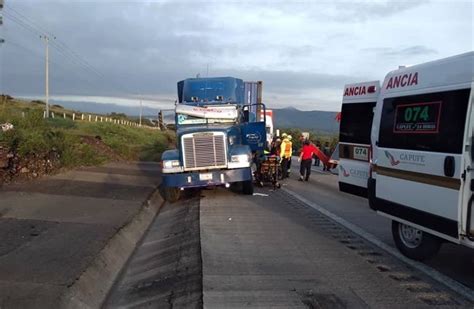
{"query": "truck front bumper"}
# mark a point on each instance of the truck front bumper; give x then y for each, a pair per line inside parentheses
(206, 179)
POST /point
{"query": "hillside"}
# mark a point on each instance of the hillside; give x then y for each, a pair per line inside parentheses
(320, 121)
(104, 108)
(36, 146)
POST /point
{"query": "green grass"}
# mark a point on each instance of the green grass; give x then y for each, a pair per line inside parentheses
(35, 136)
(131, 143)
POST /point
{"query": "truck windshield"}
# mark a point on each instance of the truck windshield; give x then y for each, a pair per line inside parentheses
(183, 119)
(187, 114)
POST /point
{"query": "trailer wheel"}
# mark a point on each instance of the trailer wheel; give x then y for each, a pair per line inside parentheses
(170, 194)
(247, 187)
(414, 243)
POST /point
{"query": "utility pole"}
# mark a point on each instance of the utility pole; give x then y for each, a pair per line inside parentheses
(46, 40)
(2, 40)
(141, 107)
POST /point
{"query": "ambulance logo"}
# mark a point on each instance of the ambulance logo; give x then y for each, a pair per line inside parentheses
(344, 172)
(404, 80)
(389, 156)
(360, 90)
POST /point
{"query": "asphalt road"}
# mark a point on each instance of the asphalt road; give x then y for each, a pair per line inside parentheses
(457, 262)
(270, 250)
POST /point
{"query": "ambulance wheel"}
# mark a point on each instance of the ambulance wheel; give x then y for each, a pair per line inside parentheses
(170, 194)
(414, 243)
(247, 187)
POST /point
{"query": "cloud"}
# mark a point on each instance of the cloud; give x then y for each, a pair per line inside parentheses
(415, 50)
(302, 50)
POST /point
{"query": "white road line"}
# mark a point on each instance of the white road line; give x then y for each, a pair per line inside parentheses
(450, 283)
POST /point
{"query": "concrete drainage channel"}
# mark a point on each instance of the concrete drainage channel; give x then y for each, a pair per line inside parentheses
(381, 256)
(165, 270)
(91, 288)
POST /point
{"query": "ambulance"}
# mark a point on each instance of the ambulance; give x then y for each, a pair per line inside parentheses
(421, 156)
(358, 102)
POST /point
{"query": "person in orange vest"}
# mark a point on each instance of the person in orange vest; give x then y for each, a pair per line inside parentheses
(285, 154)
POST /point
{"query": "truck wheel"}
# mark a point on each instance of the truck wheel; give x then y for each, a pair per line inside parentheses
(414, 243)
(170, 194)
(247, 187)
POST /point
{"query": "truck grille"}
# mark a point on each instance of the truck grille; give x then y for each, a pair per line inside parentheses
(204, 150)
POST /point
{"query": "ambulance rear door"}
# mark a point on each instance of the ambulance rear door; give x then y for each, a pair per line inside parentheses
(467, 208)
(358, 103)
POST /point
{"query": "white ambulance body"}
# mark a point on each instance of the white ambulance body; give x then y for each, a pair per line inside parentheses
(269, 125)
(422, 156)
(354, 136)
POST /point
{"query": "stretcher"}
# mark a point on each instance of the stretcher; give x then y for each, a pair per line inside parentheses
(268, 171)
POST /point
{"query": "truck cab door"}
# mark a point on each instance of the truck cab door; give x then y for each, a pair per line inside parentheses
(253, 127)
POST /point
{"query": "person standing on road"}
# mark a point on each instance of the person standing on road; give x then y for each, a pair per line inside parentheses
(316, 159)
(285, 153)
(291, 154)
(306, 160)
(327, 152)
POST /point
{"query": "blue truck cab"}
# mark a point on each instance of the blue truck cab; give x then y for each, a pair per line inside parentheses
(218, 135)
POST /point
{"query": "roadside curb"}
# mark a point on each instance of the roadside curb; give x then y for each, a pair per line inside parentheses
(92, 287)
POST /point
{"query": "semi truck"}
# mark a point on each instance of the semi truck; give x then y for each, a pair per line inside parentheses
(219, 133)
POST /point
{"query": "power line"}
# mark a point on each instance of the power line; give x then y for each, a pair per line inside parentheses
(60, 44)
(36, 53)
(41, 56)
(62, 48)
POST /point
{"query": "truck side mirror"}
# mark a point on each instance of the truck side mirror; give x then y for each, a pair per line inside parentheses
(246, 115)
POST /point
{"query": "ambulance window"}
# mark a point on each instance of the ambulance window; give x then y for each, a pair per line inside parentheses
(428, 122)
(356, 122)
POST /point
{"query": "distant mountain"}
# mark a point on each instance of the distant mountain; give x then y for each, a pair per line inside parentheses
(291, 117)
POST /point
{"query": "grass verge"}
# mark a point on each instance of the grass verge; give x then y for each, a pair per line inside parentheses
(62, 142)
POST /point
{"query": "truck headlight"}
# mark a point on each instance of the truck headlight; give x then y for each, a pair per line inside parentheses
(170, 163)
(242, 158)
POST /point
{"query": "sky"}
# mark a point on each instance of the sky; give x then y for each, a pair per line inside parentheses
(303, 51)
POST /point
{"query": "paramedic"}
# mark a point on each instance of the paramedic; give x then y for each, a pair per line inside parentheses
(285, 154)
(291, 154)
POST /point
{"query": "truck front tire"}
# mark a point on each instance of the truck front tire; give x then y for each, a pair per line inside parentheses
(414, 243)
(170, 194)
(247, 187)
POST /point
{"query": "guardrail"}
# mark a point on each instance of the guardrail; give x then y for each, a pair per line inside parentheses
(95, 118)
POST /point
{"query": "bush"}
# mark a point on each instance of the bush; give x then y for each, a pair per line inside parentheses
(61, 123)
(77, 154)
(130, 142)
(153, 151)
